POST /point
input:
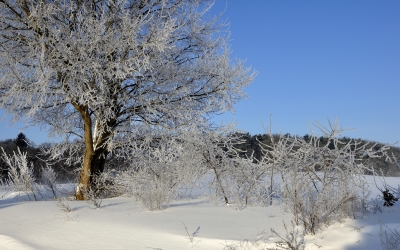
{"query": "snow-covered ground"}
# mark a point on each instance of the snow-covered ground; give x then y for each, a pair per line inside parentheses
(123, 223)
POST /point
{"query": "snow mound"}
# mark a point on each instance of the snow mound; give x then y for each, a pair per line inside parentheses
(9, 243)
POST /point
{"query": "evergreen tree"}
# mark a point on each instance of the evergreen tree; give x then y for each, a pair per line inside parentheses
(21, 141)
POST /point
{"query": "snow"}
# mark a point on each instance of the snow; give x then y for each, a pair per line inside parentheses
(124, 223)
(9, 243)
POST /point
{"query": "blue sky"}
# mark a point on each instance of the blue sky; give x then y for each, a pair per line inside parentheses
(315, 60)
(319, 60)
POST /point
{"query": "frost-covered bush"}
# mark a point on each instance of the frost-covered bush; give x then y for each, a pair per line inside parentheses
(154, 190)
(322, 182)
(237, 180)
(315, 204)
(48, 178)
(159, 170)
(104, 185)
(246, 184)
(20, 173)
(293, 240)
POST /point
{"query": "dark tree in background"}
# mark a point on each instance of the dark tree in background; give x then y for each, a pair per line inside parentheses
(21, 141)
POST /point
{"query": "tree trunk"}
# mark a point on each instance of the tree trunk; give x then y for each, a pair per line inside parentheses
(99, 161)
(94, 166)
(220, 185)
(85, 172)
(95, 151)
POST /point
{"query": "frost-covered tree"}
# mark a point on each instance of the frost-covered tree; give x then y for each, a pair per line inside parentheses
(114, 73)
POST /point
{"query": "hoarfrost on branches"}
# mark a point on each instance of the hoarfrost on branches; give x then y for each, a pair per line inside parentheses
(322, 182)
(20, 173)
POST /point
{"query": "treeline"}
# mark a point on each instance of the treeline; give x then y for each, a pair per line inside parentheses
(249, 147)
(35, 157)
(38, 158)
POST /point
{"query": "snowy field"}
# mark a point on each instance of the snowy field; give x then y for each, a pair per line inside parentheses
(123, 223)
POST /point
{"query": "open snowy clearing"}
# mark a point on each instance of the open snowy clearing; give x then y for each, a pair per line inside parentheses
(123, 223)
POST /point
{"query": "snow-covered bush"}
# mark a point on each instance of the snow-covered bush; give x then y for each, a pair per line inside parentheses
(20, 174)
(153, 189)
(315, 204)
(237, 180)
(48, 178)
(321, 181)
(92, 197)
(63, 204)
(104, 185)
(246, 184)
(293, 240)
(160, 169)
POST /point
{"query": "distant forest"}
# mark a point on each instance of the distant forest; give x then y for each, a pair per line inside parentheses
(389, 168)
(249, 147)
(35, 157)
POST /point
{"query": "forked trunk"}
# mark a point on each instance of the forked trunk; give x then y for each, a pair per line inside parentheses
(95, 151)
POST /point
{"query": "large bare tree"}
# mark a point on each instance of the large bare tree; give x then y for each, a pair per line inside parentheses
(114, 72)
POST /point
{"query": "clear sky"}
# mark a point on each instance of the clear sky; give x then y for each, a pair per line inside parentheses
(315, 60)
(319, 60)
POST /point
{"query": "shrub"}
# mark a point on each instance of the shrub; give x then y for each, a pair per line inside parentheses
(389, 198)
(321, 180)
(390, 239)
(48, 177)
(20, 174)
